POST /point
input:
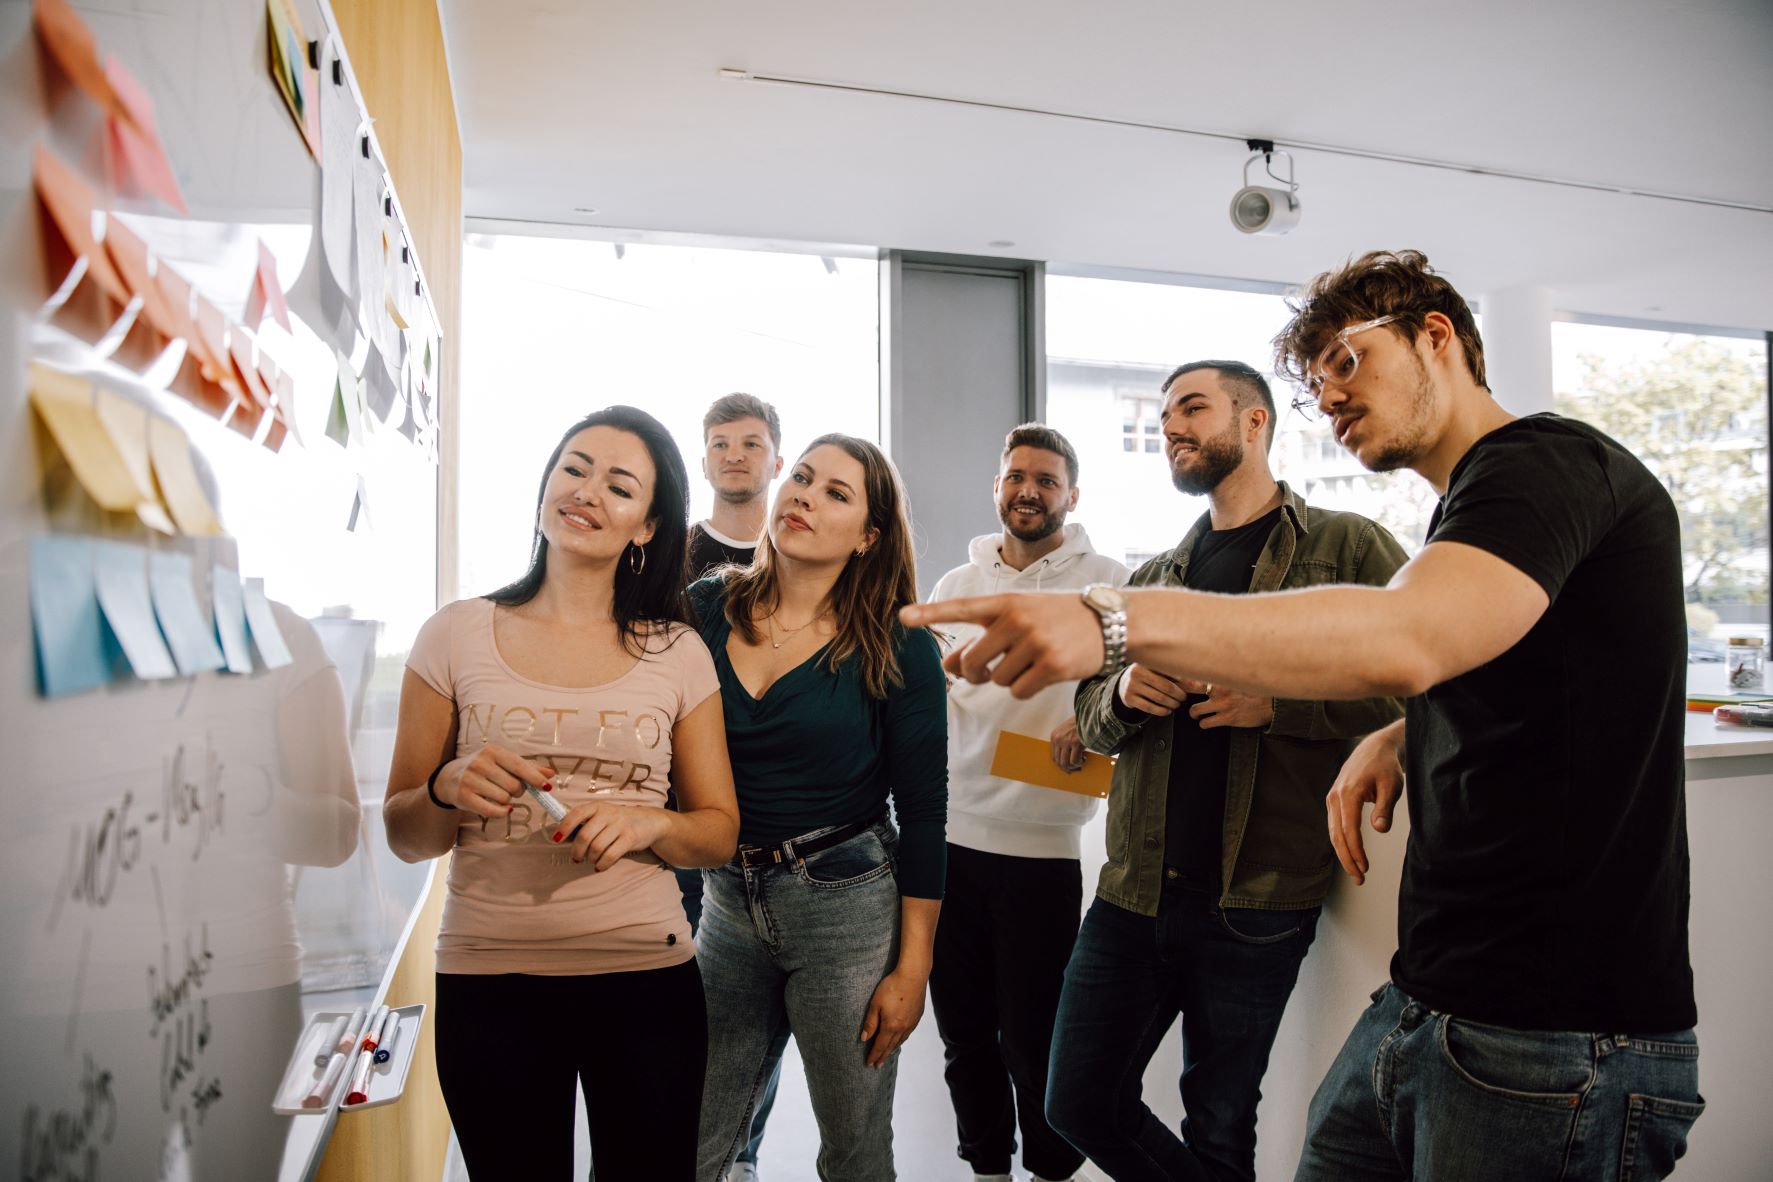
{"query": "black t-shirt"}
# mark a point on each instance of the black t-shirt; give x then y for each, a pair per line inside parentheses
(1545, 880)
(707, 552)
(1222, 560)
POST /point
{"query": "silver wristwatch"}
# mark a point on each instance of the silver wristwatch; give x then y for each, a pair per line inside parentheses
(1110, 606)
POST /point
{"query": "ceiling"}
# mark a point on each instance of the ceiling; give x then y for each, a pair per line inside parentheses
(619, 107)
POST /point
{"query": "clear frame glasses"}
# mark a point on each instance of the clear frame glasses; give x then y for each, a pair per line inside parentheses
(1337, 363)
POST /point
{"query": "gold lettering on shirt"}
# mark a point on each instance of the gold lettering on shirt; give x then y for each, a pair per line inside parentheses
(516, 823)
(529, 723)
(658, 731)
(637, 776)
(472, 721)
(604, 770)
(604, 722)
(560, 715)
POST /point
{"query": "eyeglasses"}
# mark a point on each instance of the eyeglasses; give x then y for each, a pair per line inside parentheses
(1337, 363)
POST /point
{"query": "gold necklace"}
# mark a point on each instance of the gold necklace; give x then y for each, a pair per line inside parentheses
(769, 622)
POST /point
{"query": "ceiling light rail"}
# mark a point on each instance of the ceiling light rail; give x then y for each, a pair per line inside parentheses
(742, 75)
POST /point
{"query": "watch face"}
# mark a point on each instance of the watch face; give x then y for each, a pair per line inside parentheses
(1105, 598)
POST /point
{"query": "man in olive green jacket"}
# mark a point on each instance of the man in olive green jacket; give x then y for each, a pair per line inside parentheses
(1218, 855)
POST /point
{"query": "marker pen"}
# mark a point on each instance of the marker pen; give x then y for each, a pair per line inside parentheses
(372, 1029)
(323, 1089)
(328, 1044)
(360, 1078)
(386, 1050)
(353, 1031)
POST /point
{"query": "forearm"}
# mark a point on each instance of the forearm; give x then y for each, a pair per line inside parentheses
(417, 829)
(917, 934)
(1324, 643)
(698, 838)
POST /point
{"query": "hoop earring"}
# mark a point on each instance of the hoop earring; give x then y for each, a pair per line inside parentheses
(640, 553)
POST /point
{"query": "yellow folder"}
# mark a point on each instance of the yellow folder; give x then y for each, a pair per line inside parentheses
(1030, 760)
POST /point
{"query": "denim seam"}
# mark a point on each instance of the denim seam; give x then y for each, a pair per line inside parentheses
(1253, 941)
(1570, 1101)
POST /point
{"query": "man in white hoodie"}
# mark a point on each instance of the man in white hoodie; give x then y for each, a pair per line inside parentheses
(1015, 885)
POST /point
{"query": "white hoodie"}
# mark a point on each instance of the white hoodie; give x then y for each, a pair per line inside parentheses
(986, 812)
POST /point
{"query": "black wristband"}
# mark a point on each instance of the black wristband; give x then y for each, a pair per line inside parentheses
(431, 786)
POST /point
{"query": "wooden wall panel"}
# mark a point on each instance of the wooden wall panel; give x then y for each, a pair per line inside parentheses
(397, 51)
(396, 48)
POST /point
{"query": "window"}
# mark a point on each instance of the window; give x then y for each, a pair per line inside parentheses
(1140, 431)
(554, 328)
(1694, 409)
(1110, 345)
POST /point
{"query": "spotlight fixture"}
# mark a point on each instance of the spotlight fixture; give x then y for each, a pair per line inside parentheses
(1258, 209)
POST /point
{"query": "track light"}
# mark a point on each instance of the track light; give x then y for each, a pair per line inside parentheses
(1258, 209)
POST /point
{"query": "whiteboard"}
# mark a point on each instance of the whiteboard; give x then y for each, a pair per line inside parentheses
(184, 854)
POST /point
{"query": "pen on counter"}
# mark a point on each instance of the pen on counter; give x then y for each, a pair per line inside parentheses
(372, 1029)
(360, 1078)
(353, 1031)
(386, 1050)
(330, 1043)
(317, 1097)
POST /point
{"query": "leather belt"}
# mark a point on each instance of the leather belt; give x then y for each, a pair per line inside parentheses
(752, 857)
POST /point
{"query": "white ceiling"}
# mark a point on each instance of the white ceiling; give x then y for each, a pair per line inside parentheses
(618, 106)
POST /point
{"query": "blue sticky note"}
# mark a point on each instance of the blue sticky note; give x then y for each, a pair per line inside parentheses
(65, 614)
(230, 619)
(188, 634)
(120, 573)
(266, 637)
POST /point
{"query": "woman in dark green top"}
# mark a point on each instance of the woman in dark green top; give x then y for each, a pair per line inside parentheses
(822, 926)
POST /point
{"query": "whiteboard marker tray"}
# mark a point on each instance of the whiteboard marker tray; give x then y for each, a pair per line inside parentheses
(387, 1081)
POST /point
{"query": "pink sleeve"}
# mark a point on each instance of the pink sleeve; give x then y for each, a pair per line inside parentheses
(432, 650)
(697, 681)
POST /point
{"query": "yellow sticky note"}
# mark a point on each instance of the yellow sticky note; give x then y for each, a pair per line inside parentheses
(66, 404)
(126, 424)
(1030, 760)
(177, 474)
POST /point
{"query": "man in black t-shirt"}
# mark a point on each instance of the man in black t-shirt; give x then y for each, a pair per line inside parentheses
(1539, 1018)
(1207, 907)
(742, 454)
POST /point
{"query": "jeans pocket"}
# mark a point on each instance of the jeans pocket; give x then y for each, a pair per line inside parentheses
(1543, 1069)
(1253, 925)
(863, 858)
(1655, 1136)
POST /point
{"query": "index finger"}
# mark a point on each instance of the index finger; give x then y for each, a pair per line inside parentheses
(517, 765)
(978, 609)
(1345, 833)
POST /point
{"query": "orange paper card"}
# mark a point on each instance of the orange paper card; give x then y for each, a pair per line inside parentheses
(1030, 760)
(135, 141)
(71, 44)
(71, 202)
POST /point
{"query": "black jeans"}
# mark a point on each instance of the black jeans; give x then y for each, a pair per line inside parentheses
(1008, 925)
(1229, 973)
(511, 1046)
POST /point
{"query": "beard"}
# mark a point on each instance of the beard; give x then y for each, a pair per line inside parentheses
(742, 496)
(1412, 439)
(1217, 458)
(1041, 528)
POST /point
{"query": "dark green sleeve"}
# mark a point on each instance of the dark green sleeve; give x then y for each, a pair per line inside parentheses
(916, 738)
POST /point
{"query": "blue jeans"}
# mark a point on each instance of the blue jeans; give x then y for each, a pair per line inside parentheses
(689, 883)
(1416, 1093)
(1229, 974)
(800, 948)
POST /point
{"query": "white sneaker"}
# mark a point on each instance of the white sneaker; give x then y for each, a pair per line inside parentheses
(743, 1171)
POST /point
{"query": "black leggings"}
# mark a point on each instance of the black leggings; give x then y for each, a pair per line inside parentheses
(510, 1046)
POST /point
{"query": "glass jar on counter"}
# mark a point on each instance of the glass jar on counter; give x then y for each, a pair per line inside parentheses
(1745, 663)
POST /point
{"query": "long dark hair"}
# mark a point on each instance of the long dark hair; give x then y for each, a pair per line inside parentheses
(870, 589)
(652, 597)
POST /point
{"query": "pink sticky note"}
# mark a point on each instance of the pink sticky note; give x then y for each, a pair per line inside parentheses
(267, 292)
(135, 142)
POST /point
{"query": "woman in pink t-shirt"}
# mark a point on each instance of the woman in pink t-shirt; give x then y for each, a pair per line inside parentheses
(564, 956)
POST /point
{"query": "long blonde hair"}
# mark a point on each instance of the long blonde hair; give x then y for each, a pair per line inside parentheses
(869, 591)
